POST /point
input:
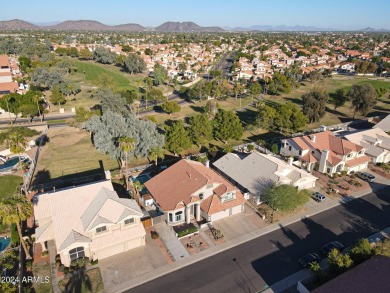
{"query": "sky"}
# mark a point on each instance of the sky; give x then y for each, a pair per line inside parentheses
(337, 14)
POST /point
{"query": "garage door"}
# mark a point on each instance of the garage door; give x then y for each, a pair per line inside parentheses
(236, 210)
(111, 250)
(220, 215)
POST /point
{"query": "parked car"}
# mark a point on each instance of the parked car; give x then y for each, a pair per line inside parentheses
(309, 258)
(327, 248)
(366, 176)
(319, 196)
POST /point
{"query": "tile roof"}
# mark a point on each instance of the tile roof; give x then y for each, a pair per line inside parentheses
(384, 124)
(213, 204)
(309, 158)
(357, 161)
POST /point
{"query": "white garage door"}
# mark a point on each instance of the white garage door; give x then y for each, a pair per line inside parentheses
(111, 250)
(220, 215)
(236, 210)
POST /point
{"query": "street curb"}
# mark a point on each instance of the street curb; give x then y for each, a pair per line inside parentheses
(198, 257)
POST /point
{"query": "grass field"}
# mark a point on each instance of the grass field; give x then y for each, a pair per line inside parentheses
(8, 185)
(69, 152)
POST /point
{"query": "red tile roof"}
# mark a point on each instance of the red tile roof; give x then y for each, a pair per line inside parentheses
(213, 204)
(357, 161)
(309, 158)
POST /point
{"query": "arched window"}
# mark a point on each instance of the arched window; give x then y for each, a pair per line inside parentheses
(76, 253)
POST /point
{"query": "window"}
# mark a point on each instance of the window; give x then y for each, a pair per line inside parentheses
(101, 229)
(170, 217)
(129, 221)
(178, 216)
(209, 186)
(289, 148)
(300, 153)
(349, 156)
(229, 196)
(76, 253)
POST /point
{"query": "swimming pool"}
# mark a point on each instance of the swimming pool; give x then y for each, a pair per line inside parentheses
(4, 242)
(9, 165)
(142, 179)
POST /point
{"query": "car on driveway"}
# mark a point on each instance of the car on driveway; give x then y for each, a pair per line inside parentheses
(319, 196)
(327, 248)
(366, 176)
(309, 258)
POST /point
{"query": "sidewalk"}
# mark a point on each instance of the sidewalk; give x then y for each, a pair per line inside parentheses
(316, 208)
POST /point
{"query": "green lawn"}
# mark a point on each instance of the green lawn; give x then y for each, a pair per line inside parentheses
(89, 282)
(8, 185)
(42, 269)
(69, 152)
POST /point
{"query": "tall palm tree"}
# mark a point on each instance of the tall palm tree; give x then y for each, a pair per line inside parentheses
(14, 210)
(17, 145)
(156, 153)
(127, 144)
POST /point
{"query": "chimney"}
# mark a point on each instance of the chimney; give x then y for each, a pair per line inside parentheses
(207, 163)
(313, 138)
(322, 128)
(54, 189)
(107, 174)
(323, 159)
(290, 161)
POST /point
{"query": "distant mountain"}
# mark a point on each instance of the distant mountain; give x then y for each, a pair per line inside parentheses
(370, 29)
(92, 25)
(50, 23)
(171, 26)
(17, 24)
(280, 28)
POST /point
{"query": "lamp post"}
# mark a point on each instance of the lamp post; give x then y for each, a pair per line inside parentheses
(236, 261)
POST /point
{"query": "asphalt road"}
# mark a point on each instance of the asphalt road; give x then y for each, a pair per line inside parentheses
(272, 257)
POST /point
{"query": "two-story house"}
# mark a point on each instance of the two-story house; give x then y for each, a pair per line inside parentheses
(88, 221)
(326, 153)
(189, 189)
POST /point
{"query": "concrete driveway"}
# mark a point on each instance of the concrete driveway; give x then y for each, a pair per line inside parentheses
(240, 224)
(131, 264)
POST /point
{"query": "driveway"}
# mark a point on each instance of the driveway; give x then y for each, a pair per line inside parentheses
(240, 224)
(131, 264)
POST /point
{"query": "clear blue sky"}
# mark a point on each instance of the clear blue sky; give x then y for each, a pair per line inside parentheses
(338, 14)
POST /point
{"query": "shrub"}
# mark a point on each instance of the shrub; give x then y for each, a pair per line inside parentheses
(28, 263)
(95, 262)
(250, 147)
(66, 270)
(14, 235)
(343, 173)
(187, 231)
(154, 234)
(361, 251)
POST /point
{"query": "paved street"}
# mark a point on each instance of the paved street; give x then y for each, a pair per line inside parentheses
(272, 257)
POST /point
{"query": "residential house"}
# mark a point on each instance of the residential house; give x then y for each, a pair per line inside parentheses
(88, 221)
(384, 124)
(254, 172)
(326, 153)
(188, 189)
(375, 141)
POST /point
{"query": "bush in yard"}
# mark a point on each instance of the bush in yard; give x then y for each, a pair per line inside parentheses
(187, 231)
(66, 270)
(14, 235)
(95, 262)
(361, 251)
(250, 147)
(154, 235)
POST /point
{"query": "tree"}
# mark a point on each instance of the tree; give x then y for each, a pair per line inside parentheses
(315, 267)
(339, 262)
(315, 76)
(126, 144)
(275, 148)
(104, 56)
(157, 95)
(170, 107)
(159, 75)
(227, 125)
(289, 117)
(85, 54)
(200, 129)
(73, 52)
(83, 115)
(177, 138)
(339, 98)
(13, 211)
(56, 97)
(119, 60)
(265, 118)
(108, 128)
(314, 104)
(16, 142)
(110, 101)
(255, 89)
(105, 81)
(361, 251)
(279, 84)
(283, 197)
(156, 153)
(134, 64)
(363, 98)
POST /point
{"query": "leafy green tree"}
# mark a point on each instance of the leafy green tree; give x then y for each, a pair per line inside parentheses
(104, 56)
(338, 262)
(383, 247)
(361, 251)
(315, 267)
(156, 153)
(339, 98)
(159, 75)
(85, 54)
(56, 97)
(24, 62)
(200, 129)
(314, 104)
(134, 64)
(13, 210)
(227, 125)
(170, 107)
(283, 197)
(83, 115)
(105, 81)
(177, 137)
(275, 149)
(289, 117)
(255, 89)
(127, 48)
(265, 118)
(157, 95)
(111, 101)
(363, 98)
(16, 142)
(279, 84)
(127, 145)
(120, 60)
(73, 52)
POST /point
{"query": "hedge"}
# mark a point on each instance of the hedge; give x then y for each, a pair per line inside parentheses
(187, 231)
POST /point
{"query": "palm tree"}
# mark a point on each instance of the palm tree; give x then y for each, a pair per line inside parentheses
(127, 144)
(156, 153)
(14, 210)
(17, 144)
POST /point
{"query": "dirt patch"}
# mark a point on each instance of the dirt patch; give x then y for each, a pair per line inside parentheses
(194, 244)
(211, 237)
(66, 136)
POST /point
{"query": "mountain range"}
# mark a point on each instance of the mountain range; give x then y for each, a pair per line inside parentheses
(92, 25)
